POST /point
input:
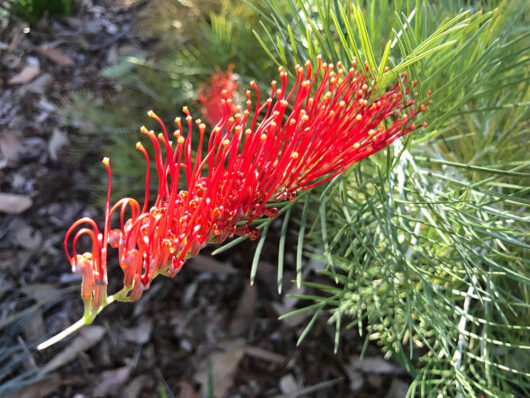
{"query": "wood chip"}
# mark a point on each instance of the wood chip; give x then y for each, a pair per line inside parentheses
(14, 204)
(54, 55)
(27, 74)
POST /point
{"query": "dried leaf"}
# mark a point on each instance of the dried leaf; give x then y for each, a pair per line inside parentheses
(28, 238)
(10, 146)
(128, 3)
(139, 334)
(38, 86)
(288, 384)
(27, 74)
(373, 365)
(202, 263)
(41, 389)
(245, 311)
(398, 389)
(109, 381)
(14, 204)
(260, 353)
(54, 55)
(134, 388)
(41, 292)
(88, 337)
(57, 141)
(34, 326)
(223, 367)
(187, 390)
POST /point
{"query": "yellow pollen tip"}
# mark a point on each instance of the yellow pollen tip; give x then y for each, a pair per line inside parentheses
(263, 137)
(294, 155)
(189, 118)
(248, 131)
(151, 114)
(202, 126)
(139, 145)
(356, 145)
(371, 132)
(364, 87)
(144, 130)
(305, 118)
(359, 117)
(105, 160)
(342, 103)
(226, 142)
(180, 140)
(185, 109)
(177, 120)
(292, 122)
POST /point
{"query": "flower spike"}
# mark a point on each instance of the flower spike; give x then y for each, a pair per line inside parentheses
(297, 139)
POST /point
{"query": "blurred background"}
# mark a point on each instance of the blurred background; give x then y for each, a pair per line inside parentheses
(77, 78)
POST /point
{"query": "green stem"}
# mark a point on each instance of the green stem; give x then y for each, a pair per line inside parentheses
(59, 336)
(72, 328)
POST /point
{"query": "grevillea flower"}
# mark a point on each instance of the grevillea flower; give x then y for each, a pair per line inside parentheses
(292, 140)
(209, 94)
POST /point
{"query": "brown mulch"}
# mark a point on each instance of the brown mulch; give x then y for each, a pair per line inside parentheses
(206, 326)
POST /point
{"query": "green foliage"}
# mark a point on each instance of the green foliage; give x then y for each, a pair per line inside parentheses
(33, 10)
(427, 246)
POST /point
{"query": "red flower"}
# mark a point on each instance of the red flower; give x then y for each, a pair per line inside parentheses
(209, 93)
(304, 136)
